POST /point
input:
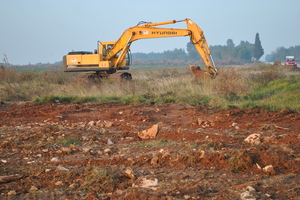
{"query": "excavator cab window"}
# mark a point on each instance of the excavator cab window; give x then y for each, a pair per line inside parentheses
(106, 49)
(128, 58)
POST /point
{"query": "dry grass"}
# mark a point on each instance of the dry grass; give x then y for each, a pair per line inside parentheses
(167, 85)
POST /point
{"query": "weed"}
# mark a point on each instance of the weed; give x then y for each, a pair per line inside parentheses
(68, 141)
(100, 181)
(241, 161)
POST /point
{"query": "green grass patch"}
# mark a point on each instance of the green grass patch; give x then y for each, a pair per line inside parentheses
(158, 143)
(276, 95)
(68, 141)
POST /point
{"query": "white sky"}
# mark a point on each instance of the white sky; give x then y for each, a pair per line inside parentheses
(33, 31)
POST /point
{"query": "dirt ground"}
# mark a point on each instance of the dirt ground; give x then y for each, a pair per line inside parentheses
(93, 151)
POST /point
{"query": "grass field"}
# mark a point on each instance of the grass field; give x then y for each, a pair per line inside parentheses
(268, 86)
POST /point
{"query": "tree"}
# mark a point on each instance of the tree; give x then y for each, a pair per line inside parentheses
(258, 50)
(230, 43)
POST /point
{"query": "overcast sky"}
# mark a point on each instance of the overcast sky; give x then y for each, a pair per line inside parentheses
(33, 31)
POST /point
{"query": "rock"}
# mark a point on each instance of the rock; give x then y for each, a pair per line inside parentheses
(86, 149)
(54, 159)
(81, 125)
(45, 150)
(149, 133)
(202, 154)
(5, 179)
(203, 123)
(93, 138)
(4, 161)
(33, 189)
(187, 197)
(66, 150)
(91, 124)
(154, 161)
(50, 138)
(200, 121)
(58, 151)
(108, 124)
(38, 155)
(253, 139)
(12, 192)
(73, 147)
(47, 170)
(248, 194)
(61, 168)
(99, 124)
(234, 124)
(269, 170)
(129, 173)
(258, 166)
(74, 185)
(58, 183)
(146, 182)
(107, 151)
(109, 141)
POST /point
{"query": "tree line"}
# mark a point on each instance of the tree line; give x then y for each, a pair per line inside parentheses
(281, 52)
(245, 52)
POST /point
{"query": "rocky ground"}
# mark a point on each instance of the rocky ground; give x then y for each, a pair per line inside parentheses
(143, 151)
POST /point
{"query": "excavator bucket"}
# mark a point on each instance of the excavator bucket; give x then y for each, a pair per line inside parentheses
(199, 74)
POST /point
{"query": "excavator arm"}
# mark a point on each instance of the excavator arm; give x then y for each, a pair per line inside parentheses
(150, 30)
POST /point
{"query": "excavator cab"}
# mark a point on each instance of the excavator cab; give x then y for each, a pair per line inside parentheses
(104, 49)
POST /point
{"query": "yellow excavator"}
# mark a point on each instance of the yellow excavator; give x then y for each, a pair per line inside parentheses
(112, 56)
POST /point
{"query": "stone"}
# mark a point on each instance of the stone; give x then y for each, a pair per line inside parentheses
(93, 138)
(129, 173)
(58, 151)
(73, 147)
(12, 192)
(154, 161)
(66, 150)
(54, 159)
(107, 151)
(234, 124)
(91, 124)
(200, 121)
(108, 124)
(99, 124)
(109, 141)
(146, 182)
(86, 149)
(149, 133)
(45, 150)
(33, 189)
(269, 169)
(248, 194)
(57, 183)
(253, 139)
(9, 178)
(202, 154)
(61, 168)
(74, 185)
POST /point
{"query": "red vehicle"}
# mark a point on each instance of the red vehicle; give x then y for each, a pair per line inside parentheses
(290, 61)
